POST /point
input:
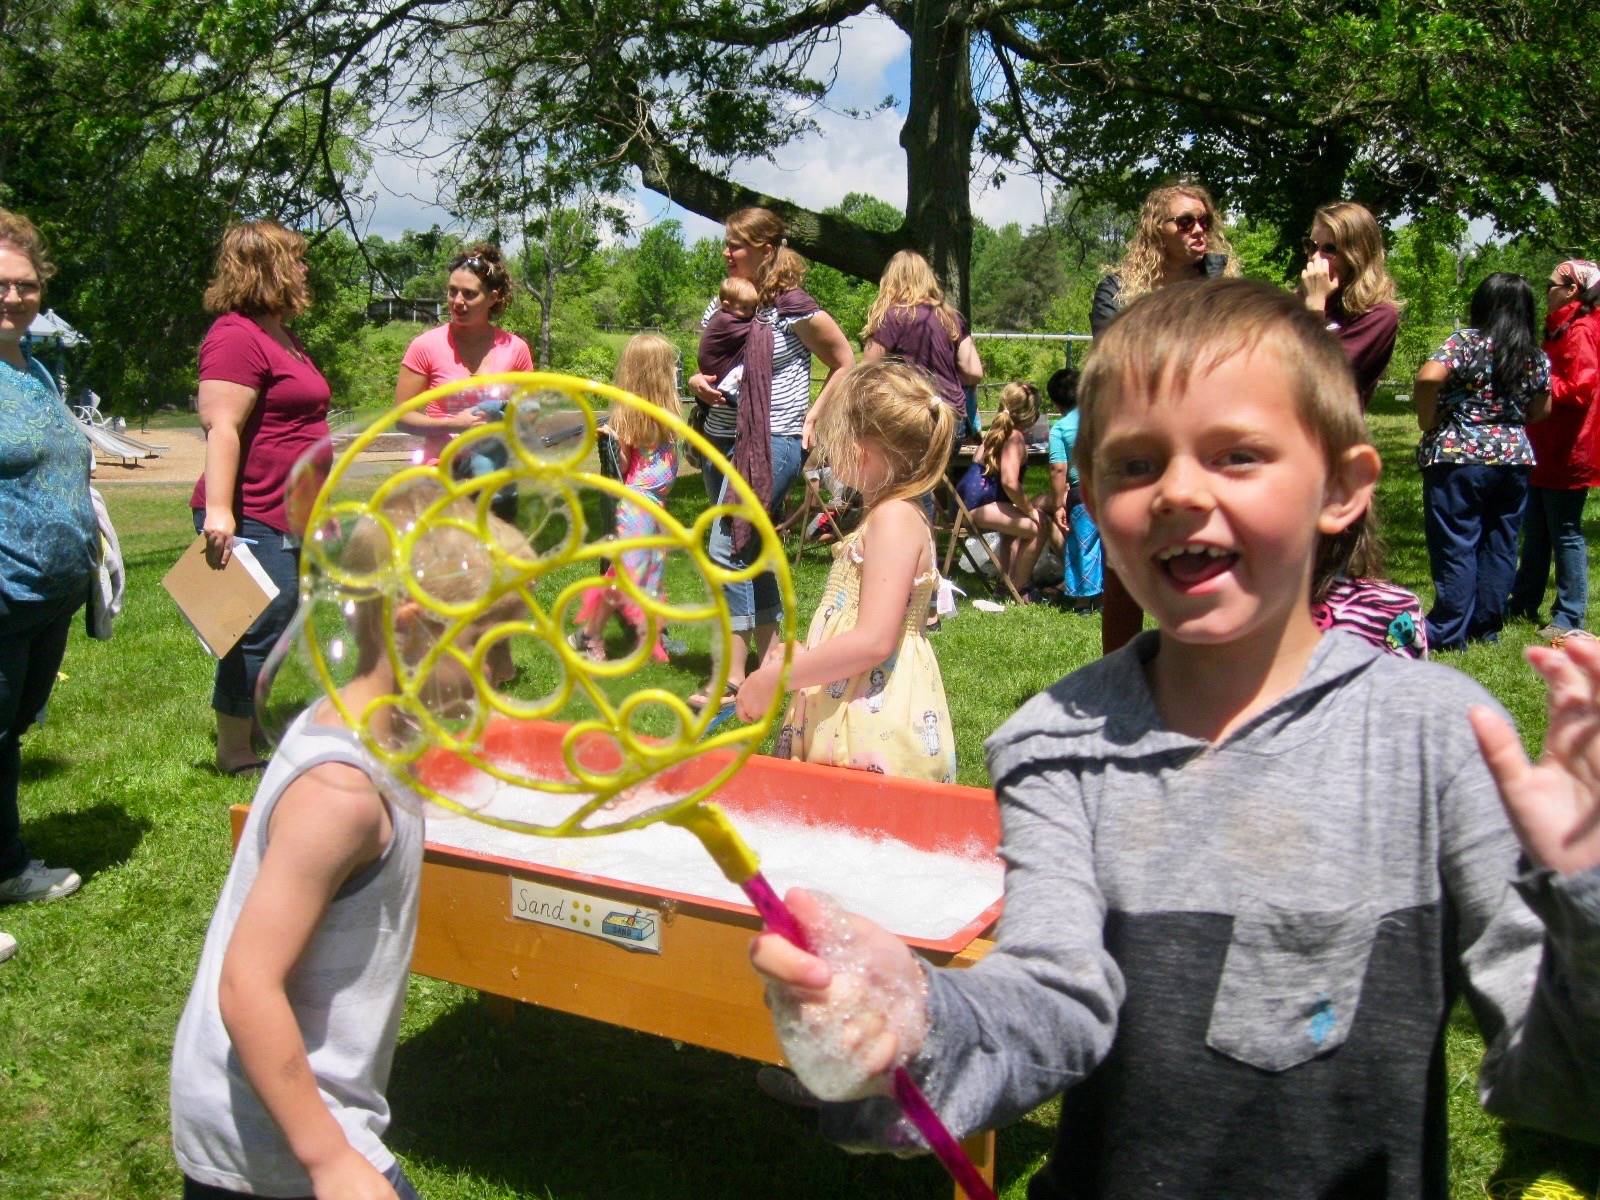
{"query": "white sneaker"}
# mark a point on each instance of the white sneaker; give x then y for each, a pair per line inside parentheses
(39, 882)
(8, 945)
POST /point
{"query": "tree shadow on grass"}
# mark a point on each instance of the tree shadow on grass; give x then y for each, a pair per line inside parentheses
(92, 840)
(551, 1104)
(36, 768)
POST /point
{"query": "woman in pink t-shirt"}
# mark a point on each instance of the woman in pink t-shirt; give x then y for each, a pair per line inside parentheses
(470, 344)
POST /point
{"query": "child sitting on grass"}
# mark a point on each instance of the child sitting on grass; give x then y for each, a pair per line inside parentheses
(869, 694)
(283, 1051)
(1250, 866)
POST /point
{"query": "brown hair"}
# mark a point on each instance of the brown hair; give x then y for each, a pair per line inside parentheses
(648, 368)
(897, 408)
(16, 230)
(1157, 345)
(258, 272)
(738, 292)
(486, 262)
(1139, 272)
(1019, 409)
(784, 270)
(1360, 241)
(908, 282)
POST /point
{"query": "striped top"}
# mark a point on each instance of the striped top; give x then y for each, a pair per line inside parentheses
(791, 378)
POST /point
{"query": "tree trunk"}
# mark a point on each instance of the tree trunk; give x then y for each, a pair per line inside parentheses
(937, 138)
(547, 300)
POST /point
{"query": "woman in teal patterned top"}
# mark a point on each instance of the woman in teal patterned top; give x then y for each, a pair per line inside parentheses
(48, 548)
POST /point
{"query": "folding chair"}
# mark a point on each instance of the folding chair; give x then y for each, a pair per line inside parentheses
(963, 518)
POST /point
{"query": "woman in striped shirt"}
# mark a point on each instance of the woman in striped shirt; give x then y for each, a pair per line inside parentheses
(760, 417)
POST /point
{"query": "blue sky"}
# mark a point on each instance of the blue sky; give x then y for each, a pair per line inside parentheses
(846, 155)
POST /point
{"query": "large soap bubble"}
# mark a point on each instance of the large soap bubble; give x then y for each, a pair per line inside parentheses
(461, 582)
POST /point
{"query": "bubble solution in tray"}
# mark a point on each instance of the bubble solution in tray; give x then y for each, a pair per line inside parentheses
(937, 893)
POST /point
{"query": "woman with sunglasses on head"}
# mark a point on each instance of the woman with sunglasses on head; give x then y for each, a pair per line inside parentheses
(48, 552)
(1347, 283)
(1179, 237)
(1566, 450)
(469, 343)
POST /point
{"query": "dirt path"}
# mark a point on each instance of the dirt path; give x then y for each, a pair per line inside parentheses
(181, 461)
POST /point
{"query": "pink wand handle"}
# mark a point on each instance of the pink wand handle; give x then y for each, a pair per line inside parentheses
(777, 917)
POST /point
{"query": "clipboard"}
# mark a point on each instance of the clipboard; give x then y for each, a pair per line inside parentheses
(219, 604)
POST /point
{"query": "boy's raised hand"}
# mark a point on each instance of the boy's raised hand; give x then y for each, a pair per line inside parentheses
(1554, 804)
(848, 1015)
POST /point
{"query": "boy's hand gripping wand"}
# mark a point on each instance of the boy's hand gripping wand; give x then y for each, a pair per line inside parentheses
(454, 744)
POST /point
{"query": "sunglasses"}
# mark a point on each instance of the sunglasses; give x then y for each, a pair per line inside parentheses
(1562, 283)
(1331, 249)
(1188, 221)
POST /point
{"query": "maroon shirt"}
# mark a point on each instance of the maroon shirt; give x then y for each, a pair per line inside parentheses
(289, 418)
(917, 336)
(1368, 342)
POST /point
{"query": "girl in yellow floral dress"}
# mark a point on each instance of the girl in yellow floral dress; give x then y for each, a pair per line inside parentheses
(868, 690)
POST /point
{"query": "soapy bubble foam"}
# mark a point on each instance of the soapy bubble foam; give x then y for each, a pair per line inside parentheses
(872, 992)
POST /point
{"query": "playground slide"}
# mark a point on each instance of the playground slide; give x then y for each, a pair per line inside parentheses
(117, 445)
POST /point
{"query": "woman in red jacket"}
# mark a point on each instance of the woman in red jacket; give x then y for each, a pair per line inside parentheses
(1566, 450)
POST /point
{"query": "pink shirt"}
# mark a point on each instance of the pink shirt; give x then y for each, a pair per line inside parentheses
(434, 356)
(289, 418)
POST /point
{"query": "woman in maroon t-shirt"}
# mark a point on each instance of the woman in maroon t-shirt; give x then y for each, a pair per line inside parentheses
(911, 321)
(1347, 283)
(263, 404)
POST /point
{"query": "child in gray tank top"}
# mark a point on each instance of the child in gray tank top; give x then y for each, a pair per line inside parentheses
(283, 1051)
(1250, 865)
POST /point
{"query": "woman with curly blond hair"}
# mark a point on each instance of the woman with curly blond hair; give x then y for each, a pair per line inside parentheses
(1347, 283)
(263, 404)
(1179, 237)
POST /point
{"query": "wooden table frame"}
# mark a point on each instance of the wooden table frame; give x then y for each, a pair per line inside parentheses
(700, 989)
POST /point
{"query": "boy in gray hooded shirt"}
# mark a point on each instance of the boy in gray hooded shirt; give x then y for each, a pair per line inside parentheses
(1250, 866)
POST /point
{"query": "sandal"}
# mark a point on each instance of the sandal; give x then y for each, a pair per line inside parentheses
(594, 649)
(700, 699)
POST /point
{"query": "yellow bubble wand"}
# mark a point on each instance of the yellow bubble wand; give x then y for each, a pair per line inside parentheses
(540, 433)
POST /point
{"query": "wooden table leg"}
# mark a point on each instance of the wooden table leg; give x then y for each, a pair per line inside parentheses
(980, 1149)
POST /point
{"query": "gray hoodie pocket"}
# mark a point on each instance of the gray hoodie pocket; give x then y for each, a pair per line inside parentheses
(1290, 984)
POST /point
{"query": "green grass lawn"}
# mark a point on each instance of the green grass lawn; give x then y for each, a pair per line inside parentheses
(118, 784)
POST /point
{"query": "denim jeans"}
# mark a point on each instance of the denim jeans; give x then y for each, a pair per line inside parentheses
(1553, 521)
(1471, 514)
(234, 693)
(33, 639)
(754, 602)
(710, 475)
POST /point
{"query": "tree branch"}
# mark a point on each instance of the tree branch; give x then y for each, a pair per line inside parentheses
(837, 241)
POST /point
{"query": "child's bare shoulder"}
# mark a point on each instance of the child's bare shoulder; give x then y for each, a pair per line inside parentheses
(895, 518)
(335, 803)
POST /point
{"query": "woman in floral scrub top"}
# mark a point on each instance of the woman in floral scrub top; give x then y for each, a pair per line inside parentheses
(1475, 396)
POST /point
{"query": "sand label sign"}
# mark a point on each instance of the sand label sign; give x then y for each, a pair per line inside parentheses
(631, 926)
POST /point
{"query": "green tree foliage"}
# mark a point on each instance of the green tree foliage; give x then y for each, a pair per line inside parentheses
(660, 275)
(134, 131)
